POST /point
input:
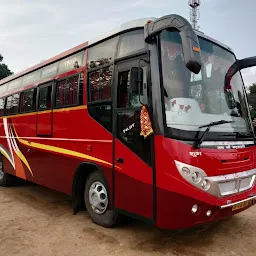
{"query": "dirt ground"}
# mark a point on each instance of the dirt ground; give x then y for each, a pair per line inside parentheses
(37, 221)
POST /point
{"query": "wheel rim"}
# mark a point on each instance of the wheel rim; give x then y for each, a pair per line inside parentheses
(1, 171)
(98, 197)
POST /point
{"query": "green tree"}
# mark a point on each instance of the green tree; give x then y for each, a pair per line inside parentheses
(252, 99)
(4, 70)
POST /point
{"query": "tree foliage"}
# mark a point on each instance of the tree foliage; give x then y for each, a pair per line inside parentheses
(4, 70)
(252, 99)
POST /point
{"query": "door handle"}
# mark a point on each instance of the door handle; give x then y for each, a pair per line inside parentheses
(120, 160)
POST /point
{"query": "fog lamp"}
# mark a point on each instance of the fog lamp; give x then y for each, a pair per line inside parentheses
(195, 208)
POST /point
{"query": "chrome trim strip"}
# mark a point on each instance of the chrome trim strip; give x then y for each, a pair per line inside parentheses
(226, 143)
(233, 176)
(245, 200)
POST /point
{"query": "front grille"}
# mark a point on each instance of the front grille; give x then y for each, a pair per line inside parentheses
(235, 183)
(228, 187)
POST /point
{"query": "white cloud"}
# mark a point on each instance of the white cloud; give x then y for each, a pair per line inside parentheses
(35, 30)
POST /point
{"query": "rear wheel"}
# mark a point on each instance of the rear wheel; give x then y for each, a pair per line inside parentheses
(96, 197)
(5, 178)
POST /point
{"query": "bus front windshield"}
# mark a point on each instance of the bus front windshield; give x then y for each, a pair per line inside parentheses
(193, 100)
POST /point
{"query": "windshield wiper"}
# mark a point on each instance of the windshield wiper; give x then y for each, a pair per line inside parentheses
(198, 142)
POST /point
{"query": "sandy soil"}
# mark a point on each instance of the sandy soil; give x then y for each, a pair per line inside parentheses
(37, 221)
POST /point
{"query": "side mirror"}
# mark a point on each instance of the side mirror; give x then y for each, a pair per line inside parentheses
(136, 77)
(190, 43)
(237, 66)
(230, 99)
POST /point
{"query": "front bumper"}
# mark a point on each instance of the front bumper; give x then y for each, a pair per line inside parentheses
(174, 210)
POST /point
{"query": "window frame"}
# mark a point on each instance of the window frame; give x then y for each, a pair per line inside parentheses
(42, 86)
(79, 97)
(133, 53)
(3, 110)
(34, 101)
(5, 105)
(88, 89)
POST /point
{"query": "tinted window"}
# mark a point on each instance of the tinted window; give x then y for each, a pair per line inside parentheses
(28, 99)
(12, 104)
(102, 114)
(125, 98)
(2, 102)
(49, 71)
(131, 42)
(16, 84)
(101, 54)
(31, 78)
(44, 101)
(72, 62)
(3, 88)
(100, 82)
(67, 92)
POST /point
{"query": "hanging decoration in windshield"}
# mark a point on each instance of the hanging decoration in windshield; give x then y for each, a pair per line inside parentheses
(172, 50)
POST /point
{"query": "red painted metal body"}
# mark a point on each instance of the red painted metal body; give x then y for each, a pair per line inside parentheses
(76, 137)
(175, 196)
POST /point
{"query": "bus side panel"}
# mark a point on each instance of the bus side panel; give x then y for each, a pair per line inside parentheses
(13, 156)
(84, 135)
(52, 161)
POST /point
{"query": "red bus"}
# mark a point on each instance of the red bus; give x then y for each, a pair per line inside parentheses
(150, 121)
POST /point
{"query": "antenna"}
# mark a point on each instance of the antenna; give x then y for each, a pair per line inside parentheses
(194, 12)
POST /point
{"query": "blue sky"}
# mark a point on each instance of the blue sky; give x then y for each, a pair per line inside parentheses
(32, 31)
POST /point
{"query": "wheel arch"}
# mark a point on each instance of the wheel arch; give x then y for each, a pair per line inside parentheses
(81, 174)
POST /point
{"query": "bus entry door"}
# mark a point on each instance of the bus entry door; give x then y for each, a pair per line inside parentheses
(133, 172)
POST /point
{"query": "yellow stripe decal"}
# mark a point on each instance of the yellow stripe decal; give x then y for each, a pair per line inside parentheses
(24, 160)
(61, 151)
(6, 155)
(48, 111)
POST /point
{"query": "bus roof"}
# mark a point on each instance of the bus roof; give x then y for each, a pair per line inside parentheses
(139, 23)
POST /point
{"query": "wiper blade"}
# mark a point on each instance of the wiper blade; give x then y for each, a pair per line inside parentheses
(199, 141)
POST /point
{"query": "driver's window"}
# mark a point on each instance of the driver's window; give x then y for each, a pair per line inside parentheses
(124, 96)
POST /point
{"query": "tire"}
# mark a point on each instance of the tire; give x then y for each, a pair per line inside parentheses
(96, 197)
(5, 178)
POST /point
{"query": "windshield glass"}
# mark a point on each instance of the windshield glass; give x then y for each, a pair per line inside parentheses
(193, 100)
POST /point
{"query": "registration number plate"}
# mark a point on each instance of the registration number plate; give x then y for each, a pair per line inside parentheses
(240, 206)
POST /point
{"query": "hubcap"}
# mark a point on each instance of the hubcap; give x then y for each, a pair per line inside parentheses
(1, 171)
(98, 197)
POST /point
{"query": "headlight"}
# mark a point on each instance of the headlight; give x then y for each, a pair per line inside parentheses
(206, 185)
(194, 175)
(186, 171)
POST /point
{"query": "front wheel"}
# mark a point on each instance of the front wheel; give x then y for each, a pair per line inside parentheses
(96, 197)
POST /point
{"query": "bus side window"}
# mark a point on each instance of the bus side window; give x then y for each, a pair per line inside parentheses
(44, 101)
(67, 92)
(12, 105)
(28, 101)
(22, 103)
(15, 103)
(127, 99)
(99, 96)
(2, 103)
(100, 83)
(7, 110)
